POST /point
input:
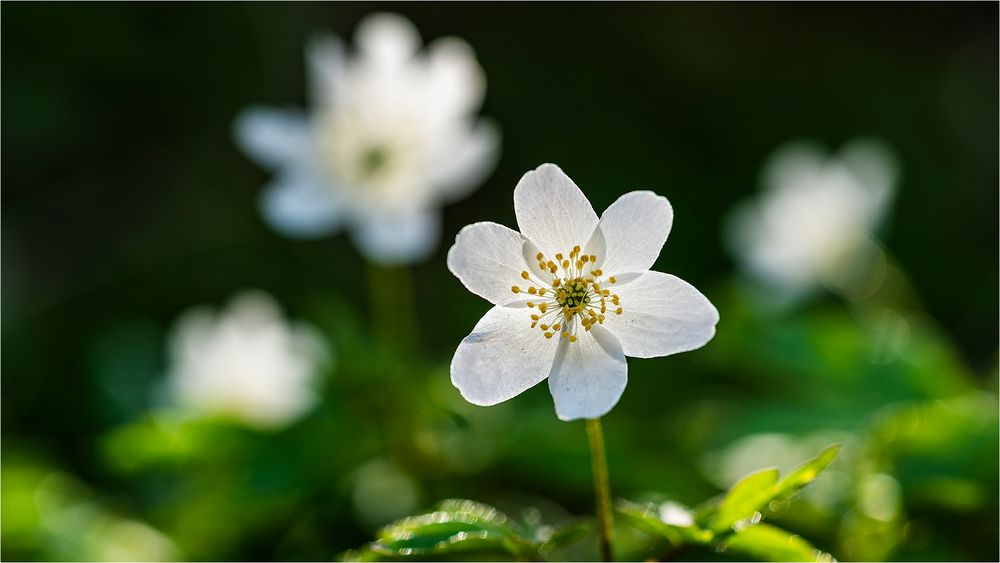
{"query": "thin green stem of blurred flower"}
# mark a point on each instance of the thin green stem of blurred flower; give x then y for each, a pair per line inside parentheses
(602, 488)
(391, 295)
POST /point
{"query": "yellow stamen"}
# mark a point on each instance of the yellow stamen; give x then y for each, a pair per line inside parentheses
(516, 289)
(524, 275)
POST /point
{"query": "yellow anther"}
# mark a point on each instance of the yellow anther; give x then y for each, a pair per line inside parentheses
(593, 258)
(545, 327)
(556, 326)
(597, 272)
(524, 275)
(565, 335)
(584, 258)
(548, 334)
(534, 317)
(604, 308)
(614, 299)
(559, 256)
(530, 304)
(532, 290)
(516, 289)
(572, 338)
(565, 264)
(579, 264)
(557, 283)
(533, 323)
(539, 256)
(542, 291)
(612, 279)
(576, 249)
(543, 307)
(605, 292)
(618, 311)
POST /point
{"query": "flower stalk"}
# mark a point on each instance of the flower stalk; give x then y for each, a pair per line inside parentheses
(602, 487)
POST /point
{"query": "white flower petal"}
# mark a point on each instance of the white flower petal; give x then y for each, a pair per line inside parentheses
(552, 211)
(875, 166)
(327, 62)
(501, 358)
(474, 158)
(273, 137)
(632, 232)
(662, 315)
(300, 204)
(456, 82)
(589, 375)
(793, 163)
(397, 237)
(488, 259)
(388, 40)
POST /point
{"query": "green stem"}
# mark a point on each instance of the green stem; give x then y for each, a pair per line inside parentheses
(602, 488)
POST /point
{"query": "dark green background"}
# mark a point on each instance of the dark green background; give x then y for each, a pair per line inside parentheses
(125, 200)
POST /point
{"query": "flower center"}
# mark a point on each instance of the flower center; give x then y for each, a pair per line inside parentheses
(374, 159)
(570, 294)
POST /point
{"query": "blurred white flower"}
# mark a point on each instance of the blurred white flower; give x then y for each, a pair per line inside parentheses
(584, 284)
(813, 225)
(247, 363)
(676, 514)
(392, 134)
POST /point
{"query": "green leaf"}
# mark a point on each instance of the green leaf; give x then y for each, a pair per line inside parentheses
(744, 498)
(753, 492)
(806, 472)
(646, 517)
(768, 543)
(456, 527)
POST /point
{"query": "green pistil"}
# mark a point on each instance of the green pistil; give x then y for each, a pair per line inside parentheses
(374, 159)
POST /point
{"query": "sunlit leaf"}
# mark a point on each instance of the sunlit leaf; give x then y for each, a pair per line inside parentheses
(744, 499)
(647, 517)
(464, 527)
(768, 543)
(805, 473)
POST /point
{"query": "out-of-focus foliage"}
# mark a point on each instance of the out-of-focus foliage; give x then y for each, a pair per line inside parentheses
(462, 528)
(125, 203)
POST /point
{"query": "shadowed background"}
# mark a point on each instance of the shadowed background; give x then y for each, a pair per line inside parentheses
(125, 202)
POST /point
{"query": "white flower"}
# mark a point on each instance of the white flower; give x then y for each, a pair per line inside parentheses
(572, 296)
(246, 364)
(391, 136)
(816, 217)
(676, 514)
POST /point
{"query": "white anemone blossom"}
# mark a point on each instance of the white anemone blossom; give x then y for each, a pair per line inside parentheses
(247, 364)
(392, 134)
(573, 296)
(813, 225)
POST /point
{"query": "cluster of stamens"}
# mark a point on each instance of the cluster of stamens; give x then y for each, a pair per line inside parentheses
(573, 297)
